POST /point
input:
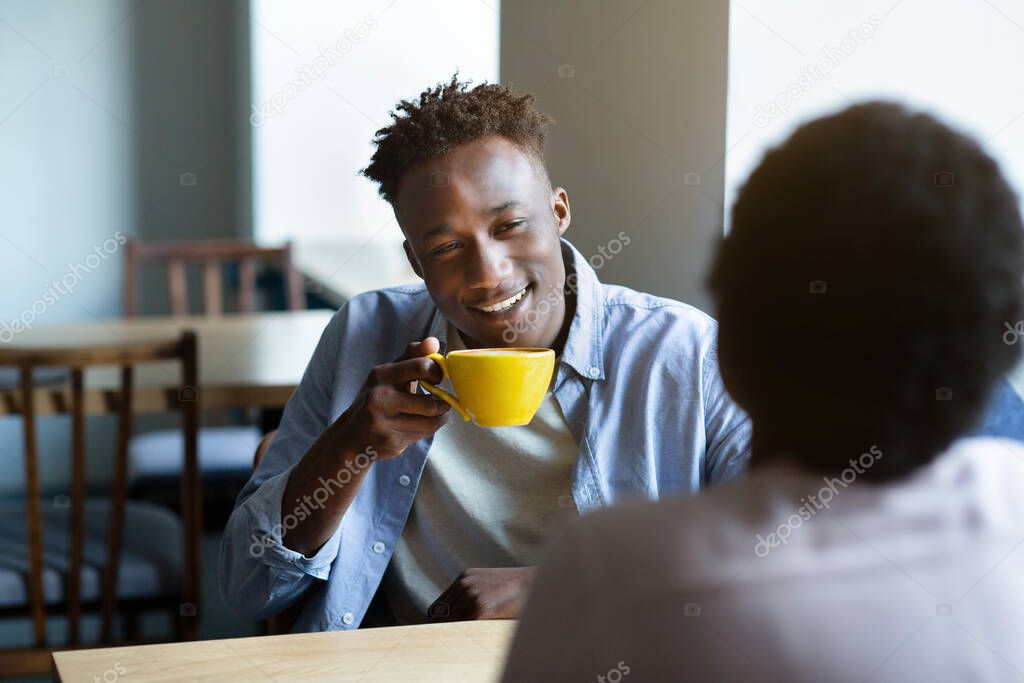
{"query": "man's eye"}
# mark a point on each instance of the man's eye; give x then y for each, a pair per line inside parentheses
(512, 224)
(444, 249)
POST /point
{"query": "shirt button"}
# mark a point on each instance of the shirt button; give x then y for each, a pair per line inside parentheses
(404, 480)
(378, 547)
(595, 371)
(348, 618)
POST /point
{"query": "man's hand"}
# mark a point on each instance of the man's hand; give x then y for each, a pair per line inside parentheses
(496, 593)
(387, 413)
(386, 416)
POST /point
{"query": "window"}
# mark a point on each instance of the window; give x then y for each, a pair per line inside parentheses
(324, 78)
(794, 61)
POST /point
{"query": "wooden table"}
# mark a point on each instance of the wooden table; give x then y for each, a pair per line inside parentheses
(463, 651)
(244, 360)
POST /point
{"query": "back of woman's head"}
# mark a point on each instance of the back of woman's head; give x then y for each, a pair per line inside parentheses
(863, 292)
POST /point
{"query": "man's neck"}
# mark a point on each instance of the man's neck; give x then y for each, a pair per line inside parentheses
(568, 302)
(563, 334)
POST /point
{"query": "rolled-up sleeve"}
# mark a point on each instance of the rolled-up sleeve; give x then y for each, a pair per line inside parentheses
(259, 576)
(262, 514)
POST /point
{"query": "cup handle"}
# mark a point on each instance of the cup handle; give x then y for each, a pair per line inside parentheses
(441, 393)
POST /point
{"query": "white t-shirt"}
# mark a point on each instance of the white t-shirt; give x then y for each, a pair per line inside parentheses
(915, 580)
(487, 498)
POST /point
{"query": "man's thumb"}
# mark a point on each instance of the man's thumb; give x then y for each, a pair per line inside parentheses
(421, 348)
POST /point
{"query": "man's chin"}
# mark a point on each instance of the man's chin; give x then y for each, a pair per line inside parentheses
(520, 326)
(488, 341)
(509, 337)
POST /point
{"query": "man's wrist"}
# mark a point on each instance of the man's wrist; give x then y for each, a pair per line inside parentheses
(347, 455)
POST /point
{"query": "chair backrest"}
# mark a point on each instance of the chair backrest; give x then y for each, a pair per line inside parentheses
(23, 400)
(214, 255)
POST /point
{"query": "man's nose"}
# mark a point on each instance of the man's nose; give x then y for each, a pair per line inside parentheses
(489, 268)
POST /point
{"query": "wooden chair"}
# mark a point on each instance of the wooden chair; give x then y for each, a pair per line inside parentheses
(97, 555)
(214, 255)
(224, 450)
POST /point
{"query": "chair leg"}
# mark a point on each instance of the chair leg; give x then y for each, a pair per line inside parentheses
(186, 626)
(179, 626)
(131, 626)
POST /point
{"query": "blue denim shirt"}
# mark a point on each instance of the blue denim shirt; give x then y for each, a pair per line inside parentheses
(638, 384)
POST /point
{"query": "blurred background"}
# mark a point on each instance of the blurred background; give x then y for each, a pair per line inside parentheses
(184, 120)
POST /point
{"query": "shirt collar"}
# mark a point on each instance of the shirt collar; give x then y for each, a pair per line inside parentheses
(584, 347)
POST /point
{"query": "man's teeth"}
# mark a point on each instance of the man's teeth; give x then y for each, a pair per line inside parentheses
(502, 305)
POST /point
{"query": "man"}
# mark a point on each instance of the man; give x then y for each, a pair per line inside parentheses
(862, 293)
(346, 502)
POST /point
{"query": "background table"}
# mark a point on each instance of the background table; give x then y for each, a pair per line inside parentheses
(463, 651)
(244, 360)
(337, 271)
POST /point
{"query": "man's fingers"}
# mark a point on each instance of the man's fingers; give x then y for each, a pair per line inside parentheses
(420, 348)
(404, 371)
(460, 605)
(419, 404)
(408, 375)
(418, 424)
(443, 608)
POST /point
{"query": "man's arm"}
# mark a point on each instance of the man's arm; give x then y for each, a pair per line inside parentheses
(726, 427)
(260, 575)
(385, 418)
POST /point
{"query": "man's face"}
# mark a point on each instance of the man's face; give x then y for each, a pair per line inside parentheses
(482, 228)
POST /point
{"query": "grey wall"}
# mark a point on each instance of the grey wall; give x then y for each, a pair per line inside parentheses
(190, 95)
(639, 104)
(103, 105)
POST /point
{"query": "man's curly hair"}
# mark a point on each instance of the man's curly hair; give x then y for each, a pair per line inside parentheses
(446, 116)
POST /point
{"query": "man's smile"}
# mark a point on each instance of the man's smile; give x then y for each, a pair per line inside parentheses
(504, 310)
(502, 303)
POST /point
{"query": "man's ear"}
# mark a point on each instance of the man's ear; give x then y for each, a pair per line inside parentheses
(412, 259)
(560, 207)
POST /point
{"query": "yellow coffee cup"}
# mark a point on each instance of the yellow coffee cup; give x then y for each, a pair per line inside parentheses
(496, 387)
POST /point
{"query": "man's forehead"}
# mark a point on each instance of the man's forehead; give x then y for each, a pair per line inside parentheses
(490, 163)
(479, 176)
